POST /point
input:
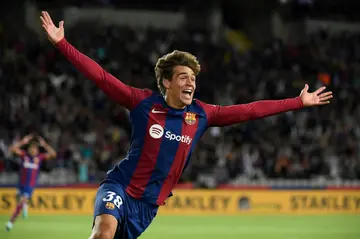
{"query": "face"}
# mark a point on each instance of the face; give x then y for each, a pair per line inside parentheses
(180, 89)
(33, 150)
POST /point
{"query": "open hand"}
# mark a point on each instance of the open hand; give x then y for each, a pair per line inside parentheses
(316, 97)
(27, 139)
(41, 141)
(54, 34)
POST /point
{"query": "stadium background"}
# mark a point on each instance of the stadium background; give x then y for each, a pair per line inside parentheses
(292, 176)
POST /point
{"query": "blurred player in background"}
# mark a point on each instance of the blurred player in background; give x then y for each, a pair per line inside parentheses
(29, 171)
(165, 129)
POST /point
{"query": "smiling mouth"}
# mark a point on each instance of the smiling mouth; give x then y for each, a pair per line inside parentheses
(187, 92)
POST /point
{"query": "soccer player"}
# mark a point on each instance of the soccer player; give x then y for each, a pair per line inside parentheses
(29, 171)
(165, 129)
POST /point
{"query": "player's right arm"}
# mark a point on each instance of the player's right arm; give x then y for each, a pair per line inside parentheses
(122, 94)
(50, 151)
(227, 115)
(16, 148)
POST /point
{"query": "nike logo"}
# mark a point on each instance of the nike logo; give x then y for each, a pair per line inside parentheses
(158, 112)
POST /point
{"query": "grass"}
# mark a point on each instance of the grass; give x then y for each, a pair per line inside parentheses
(199, 227)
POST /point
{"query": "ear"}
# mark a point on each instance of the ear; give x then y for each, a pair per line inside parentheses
(166, 83)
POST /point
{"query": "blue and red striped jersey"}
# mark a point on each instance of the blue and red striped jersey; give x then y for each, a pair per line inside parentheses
(161, 144)
(29, 169)
(163, 137)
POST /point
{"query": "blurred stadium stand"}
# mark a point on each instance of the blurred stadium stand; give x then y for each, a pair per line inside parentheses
(247, 53)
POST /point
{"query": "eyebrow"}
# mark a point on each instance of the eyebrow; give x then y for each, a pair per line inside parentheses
(185, 73)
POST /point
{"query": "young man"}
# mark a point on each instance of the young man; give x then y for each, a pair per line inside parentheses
(29, 171)
(165, 129)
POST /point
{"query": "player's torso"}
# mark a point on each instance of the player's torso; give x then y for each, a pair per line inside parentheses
(167, 133)
(161, 144)
(30, 167)
(31, 162)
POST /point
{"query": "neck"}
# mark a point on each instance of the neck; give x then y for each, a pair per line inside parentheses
(173, 103)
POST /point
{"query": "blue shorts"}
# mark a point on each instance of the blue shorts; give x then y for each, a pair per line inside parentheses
(133, 215)
(25, 191)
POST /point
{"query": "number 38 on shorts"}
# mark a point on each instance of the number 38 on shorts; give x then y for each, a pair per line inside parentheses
(112, 200)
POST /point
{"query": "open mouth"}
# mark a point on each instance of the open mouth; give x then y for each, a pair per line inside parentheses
(187, 92)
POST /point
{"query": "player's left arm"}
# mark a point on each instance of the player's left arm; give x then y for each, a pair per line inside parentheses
(16, 148)
(228, 115)
(50, 151)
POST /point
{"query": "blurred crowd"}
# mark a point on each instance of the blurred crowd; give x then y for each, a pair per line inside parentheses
(42, 93)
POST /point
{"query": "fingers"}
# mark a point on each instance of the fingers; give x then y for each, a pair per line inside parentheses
(28, 137)
(46, 19)
(326, 98)
(42, 20)
(325, 94)
(306, 88)
(61, 24)
(321, 89)
(45, 24)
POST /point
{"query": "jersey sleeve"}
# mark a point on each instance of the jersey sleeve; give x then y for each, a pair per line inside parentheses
(121, 93)
(42, 156)
(227, 115)
(22, 154)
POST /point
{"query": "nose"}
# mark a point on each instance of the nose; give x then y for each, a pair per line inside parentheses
(190, 82)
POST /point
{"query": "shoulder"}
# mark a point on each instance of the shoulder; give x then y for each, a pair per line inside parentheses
(198, 103)
(143, 93)
(148, 91)
(152, 96)
(148, 98)
(203, 106)
(200, 107)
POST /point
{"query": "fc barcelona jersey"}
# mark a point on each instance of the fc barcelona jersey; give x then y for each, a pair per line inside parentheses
(162, 137)
(29, 169)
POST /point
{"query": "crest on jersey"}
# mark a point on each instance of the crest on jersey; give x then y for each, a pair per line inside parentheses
(190, 118)
(110, 205)
(36, 160)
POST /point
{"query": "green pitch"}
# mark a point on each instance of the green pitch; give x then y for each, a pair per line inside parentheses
(197, 227)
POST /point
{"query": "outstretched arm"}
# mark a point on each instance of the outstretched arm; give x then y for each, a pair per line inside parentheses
(16, 148)
(50, 151)
(123, 94)
(228, 115)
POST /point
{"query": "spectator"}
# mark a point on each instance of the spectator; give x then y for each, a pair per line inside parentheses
(41, 92)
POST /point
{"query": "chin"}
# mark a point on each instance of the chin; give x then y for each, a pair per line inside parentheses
(186, 102)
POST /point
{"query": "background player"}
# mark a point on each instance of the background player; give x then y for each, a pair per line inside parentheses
(165, 129)
(29, 170)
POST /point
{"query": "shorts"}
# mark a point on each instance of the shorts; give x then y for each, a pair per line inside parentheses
(25, 191)
(133, 215)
